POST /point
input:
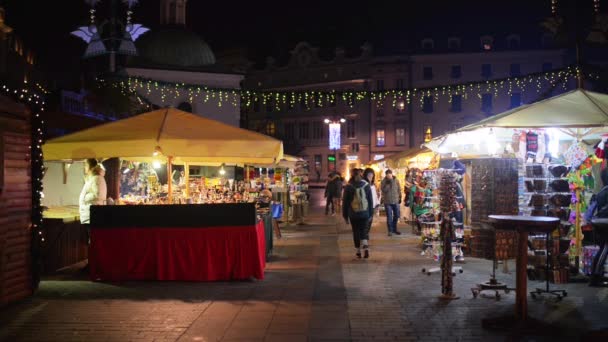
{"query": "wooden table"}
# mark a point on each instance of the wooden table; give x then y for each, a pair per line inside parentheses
(523, 225)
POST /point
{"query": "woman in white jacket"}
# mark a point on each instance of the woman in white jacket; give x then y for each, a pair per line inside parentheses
(370, 176)
(94, 191)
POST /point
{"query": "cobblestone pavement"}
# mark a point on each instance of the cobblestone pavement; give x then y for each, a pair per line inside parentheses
(315, 290)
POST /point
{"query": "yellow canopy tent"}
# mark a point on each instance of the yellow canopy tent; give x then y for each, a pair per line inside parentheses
(186, 137)
(415, 155)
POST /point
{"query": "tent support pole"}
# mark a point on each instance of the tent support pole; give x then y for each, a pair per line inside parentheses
(187, 179)
(170, 179)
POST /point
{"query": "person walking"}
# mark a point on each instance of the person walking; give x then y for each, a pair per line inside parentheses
(391, 193)
(357, 208)
(331, 193)
(370, 176)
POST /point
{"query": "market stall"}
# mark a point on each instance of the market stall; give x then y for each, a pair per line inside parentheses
(551, 144)
(160, 150)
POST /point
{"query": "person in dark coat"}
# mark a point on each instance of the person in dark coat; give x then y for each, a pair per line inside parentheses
(358, 215)
(333, 191)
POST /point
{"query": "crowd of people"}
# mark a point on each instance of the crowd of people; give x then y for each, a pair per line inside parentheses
(359, 199)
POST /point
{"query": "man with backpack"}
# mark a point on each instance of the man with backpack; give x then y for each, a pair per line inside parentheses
(358, 209)
(391, 194)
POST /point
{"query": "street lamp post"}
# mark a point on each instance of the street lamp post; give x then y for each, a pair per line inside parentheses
(334, 137)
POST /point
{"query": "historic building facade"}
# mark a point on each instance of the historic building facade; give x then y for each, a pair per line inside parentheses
(373, 130)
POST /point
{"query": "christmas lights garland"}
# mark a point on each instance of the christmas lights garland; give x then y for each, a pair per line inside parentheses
(35, 103)
(281, 100)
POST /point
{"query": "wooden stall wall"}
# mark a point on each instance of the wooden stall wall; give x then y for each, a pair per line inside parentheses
(15, 202)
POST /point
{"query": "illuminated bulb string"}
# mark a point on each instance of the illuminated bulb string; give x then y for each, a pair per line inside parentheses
(170, 92)
(36, 104)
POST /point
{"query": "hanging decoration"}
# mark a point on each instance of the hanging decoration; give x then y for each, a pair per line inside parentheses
(554, 7)
(91, 34)
(35, 103)
(170, 92)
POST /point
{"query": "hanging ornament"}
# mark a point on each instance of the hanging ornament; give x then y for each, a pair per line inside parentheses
(596, 6)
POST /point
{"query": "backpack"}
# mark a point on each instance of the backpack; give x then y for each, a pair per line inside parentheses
(359, 203)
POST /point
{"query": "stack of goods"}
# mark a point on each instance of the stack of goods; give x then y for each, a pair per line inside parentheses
(482, 243)
(494, 189)
(506, 245)
(588, 255)
(558, 262)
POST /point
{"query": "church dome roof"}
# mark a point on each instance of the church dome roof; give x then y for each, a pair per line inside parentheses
(175, 47)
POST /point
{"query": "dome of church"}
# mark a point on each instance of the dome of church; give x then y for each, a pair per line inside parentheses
(175, 47)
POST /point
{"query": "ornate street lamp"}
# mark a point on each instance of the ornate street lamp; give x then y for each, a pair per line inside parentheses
(111, 36)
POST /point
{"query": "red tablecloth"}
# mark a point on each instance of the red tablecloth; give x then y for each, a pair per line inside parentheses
(189, 254)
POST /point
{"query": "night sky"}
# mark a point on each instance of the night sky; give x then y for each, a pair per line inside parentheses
(273, 27)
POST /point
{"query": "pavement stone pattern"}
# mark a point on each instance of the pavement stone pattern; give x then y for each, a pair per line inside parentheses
(315, 290)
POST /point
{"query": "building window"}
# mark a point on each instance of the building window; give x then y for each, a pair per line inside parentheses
(427, 104)
(351, 128)
(454, 43)
(290, 130)
(317, 130)
(318, 161)
(456, 103)
(515, 70)
(427, 73)
(304, 130)
(487, 43)
(515, 100)
(304, 103)
(380, 85)
(354, 147)
(456, 71)
(270, 128)
(428, 44)
(486, 103)
(400, 136)
(513, 41)
(342, 156)
(486, 70)
(428, 133)
(380, 137)
(547, 66)
(400, 107)
(399, 83)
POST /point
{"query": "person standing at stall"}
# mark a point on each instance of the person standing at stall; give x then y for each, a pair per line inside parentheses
(357, 208)
(94, 191)
(391, 193)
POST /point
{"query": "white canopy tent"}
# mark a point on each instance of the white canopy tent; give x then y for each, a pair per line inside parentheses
(578, 114)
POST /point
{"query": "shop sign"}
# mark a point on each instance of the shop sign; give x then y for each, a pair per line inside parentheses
(379, 156)
(355, 157)
(334, 136)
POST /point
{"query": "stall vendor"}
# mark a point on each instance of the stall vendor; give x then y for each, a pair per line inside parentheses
(94, 191)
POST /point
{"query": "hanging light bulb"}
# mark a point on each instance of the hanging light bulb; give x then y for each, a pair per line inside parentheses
(492, 143)
(156, 164)
(222, 171)
(157, 151)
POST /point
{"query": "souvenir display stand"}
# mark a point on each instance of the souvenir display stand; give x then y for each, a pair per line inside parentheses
(547, 139)
(439, 224)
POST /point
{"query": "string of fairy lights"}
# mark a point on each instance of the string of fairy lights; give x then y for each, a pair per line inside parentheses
(169, 92)
(36, 105)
